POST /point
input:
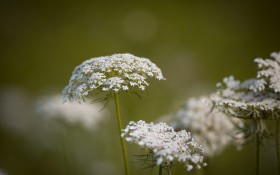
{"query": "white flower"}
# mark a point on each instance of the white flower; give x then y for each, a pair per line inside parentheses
(115, 73)
(269, 73)
(87, 114)
(255, 99)
(245, 101)
(209, 127)
(166, 144)
(249, 100)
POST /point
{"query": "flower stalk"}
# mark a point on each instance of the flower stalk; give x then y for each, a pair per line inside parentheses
(277, 144)
(160, 170)
(65, 160)
(169, 170)
(258, 144)
(120, 131)
(257, 153)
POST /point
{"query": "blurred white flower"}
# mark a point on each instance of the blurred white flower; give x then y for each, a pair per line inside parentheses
(166, 144)
(115, 73)
(87, 114)
(2, 172)
(269, 73)
(209, 127)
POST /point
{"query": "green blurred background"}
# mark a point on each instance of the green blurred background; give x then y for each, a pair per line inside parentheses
(195, 44)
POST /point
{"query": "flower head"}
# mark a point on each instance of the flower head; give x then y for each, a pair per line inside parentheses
(209, 126)
(115, 73)
(255, 99)
(86, 114)
(269, 72)
(243, 101)
(166, 144)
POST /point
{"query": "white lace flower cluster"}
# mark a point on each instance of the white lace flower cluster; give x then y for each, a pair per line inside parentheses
(256, 99)
(87, 114)
(166, 144)
(243, 101)
(209, 126)
(269, 73)
(115, 73)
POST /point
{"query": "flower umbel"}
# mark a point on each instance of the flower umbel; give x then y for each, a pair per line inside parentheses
(166, 144)
(86, 114)
(256, 100)
(209, 126)
(242, 101)
(110, 74)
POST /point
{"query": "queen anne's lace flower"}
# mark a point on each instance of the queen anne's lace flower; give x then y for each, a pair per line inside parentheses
(242, 101)
(115, 73)
(255, 99)
(166, 144)
(209, 126)
(269, 73)
(87, 114)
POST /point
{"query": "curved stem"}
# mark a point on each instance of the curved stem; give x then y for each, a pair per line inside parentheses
(160, 170)
(120, 131)
(258, 153)
(277, 144)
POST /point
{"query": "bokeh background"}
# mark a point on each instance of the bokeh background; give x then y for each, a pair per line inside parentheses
(195, 44)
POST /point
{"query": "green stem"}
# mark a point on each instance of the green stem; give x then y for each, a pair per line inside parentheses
(66, 165)
(205, 169)
(160, 170)
(169, 170)
(258, 153)
(120, 132)
(201, 171)
(277, 144)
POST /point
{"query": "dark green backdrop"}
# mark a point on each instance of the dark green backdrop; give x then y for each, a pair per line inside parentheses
(195, 44)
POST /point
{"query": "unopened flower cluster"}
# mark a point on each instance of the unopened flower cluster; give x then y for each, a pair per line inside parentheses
(209, 127)
(166, 144)
(87, 114)
(115, 73)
